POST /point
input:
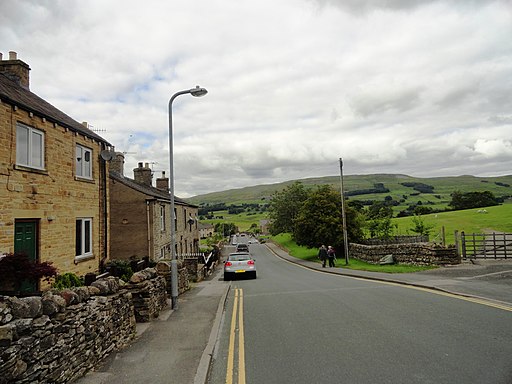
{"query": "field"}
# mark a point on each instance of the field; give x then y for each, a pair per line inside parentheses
(490, 219)
(243, 220)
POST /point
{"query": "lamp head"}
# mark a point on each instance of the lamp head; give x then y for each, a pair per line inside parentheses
(198, 91)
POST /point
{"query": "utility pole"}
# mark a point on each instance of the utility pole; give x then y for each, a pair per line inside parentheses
(345, 237)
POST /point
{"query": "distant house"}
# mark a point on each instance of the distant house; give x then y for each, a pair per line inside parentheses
(53, 200)
(264, 226)
(139, 216)
(206, 230)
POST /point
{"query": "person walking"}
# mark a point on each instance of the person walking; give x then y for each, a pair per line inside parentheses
(322, 255)
(331, 255)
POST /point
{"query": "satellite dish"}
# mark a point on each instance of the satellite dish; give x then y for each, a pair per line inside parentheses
(106, 155)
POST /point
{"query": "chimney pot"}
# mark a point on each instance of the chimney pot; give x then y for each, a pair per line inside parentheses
(1, 56)
(13, 55)
(143, 175)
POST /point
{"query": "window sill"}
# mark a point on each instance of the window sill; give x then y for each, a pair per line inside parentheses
(84, 179)
(30, 169)
(80, 259)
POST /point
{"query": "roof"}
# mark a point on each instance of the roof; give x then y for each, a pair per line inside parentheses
(147, 190)
(12, 93)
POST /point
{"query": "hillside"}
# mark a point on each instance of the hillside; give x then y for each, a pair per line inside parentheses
(428, 191)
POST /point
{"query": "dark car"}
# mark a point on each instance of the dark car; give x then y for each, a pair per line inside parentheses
(242, 247)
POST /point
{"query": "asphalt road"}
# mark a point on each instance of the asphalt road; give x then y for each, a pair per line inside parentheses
(296, 325)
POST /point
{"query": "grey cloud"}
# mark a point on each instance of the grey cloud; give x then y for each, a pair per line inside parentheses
(368, 104)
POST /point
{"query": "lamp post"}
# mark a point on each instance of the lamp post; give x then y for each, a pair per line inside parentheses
(197, 92)
(345, 237)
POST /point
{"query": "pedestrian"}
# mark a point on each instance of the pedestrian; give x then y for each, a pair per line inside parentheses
(322, 255)
(331, 255)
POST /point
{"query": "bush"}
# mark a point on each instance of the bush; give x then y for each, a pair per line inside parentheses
(17, 268)
(67, 280)
(120, 268)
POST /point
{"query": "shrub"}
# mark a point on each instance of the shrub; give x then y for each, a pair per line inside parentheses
(67, 280)
(120, 268)
(17, 268)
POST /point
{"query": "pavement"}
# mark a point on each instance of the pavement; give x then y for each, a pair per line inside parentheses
(178, 346)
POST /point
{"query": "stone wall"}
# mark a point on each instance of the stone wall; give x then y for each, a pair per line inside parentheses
(148, 294)
(412, 253)
(163, 269)
(58, 337)
(195, 270)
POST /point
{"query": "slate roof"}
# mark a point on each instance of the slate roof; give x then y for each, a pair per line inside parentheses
(147, 190)
(14, 94)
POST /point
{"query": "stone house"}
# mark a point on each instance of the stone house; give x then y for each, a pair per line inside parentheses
(206, 230)
(139, 216)
(54, 195)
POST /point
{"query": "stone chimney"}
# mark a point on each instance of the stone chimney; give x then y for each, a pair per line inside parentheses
(163, 182)
(143, 175)
(15, 69)
(117, 163)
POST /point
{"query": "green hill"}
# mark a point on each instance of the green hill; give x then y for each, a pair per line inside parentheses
(406, 190)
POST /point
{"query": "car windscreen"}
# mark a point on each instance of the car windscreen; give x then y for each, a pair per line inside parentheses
(239, 257)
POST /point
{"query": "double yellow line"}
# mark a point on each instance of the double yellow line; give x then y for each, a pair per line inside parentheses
(238, 312)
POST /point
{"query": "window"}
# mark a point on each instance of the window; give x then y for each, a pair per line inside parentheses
(162, 218)
(83, 162)
(29, 146)
(83, 244)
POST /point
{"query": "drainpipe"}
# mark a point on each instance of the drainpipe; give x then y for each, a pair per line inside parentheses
(148, 216)
(105, 214)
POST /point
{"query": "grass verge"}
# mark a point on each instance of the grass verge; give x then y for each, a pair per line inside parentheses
(300, 252)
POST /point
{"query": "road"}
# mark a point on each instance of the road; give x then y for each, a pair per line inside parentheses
(296, 325)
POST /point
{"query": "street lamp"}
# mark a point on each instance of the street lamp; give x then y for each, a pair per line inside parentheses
(197, 92)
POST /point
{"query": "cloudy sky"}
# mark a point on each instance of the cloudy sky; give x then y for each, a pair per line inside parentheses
(391, 86)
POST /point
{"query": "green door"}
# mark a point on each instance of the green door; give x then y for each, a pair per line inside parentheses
(25, 241)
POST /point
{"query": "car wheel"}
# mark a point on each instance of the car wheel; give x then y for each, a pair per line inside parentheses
(254, 275)
(226, 277)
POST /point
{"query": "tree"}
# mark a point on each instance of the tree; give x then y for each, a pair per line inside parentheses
(470, 200)
(320, 220)
(378, 222)
(420, 227)
(284, 208)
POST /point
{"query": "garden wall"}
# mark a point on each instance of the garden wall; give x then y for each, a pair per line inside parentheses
(58, 337)
(412, 253)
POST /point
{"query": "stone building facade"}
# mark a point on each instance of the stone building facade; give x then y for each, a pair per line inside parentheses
(54, 194)
(140, 215)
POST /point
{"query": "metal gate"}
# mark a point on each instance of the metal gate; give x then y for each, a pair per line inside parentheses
(486, 245)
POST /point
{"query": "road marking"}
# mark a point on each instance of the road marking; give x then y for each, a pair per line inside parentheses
(238, 307)
(481, 301)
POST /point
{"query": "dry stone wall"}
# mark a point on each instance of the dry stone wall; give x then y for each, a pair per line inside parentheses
(412, 253)
(59, 336)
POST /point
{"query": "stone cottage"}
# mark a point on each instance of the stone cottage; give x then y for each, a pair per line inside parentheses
(54, 195)
(139, 216)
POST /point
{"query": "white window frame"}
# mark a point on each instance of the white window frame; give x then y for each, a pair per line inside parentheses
(162, 218)
(29, 150)
(83, 157)
(83, 238)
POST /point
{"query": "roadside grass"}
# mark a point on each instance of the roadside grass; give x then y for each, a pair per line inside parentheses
(304, 253)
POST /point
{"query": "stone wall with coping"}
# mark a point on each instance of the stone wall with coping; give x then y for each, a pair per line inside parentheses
(149, 294)
(58, 337)
(411, 253)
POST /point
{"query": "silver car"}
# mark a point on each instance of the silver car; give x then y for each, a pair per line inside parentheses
(239, 264)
